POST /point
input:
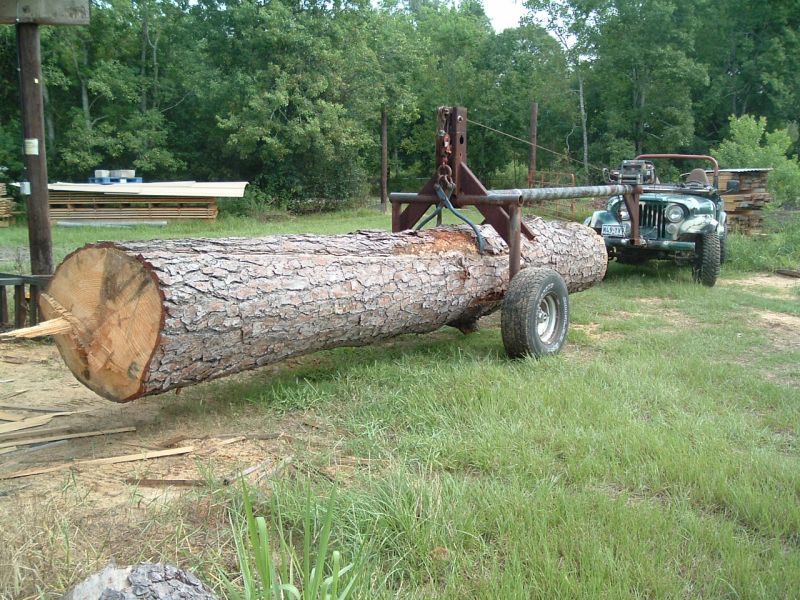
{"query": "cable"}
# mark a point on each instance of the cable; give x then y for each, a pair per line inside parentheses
(513, 137)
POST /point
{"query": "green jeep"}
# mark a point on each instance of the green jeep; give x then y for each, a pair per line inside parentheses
(684, 222)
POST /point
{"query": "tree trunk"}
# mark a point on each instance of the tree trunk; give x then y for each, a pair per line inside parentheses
(145, 317)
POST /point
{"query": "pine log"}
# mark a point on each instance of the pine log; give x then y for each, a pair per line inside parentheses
(147, 317)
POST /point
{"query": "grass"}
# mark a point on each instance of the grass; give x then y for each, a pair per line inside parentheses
(656, 457)
(780, 249)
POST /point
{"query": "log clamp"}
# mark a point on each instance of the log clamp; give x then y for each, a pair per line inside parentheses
(454, 186)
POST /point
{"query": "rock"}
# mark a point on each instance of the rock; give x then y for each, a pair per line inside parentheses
(145, 581)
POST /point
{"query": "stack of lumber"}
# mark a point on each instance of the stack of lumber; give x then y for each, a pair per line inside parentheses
(745, 195)
(6, 207)
(139, 201)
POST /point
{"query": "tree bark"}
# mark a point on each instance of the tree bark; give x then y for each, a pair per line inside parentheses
(147, 317)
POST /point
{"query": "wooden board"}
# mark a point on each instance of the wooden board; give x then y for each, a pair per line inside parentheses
(96, 206)
(45, 12)
(112, 460)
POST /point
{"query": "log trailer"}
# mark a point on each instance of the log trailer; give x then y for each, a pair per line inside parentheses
(132, 319)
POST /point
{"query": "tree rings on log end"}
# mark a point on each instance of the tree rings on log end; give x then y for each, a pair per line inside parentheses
(115, 307)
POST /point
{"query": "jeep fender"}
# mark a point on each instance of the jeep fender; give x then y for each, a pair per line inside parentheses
(699, 224)
(723, 221)
(600, 218)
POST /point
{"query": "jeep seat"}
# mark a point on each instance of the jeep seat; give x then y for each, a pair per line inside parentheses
(698, 176)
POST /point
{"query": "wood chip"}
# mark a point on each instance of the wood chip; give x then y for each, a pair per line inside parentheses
(234, 477)
(174, 440)
(233, 440)
(7, 416)
(14, 360)
(165, 482)
(13, 394)
(71, 436)
(51, 327)
(31, 422)
(276, 470)
(42, 409)
(112, 460)
(49, 431)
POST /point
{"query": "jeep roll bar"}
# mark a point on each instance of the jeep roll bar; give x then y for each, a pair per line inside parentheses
(710, 159)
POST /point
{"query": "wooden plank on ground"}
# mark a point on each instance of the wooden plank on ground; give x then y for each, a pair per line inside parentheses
(7, 416)
(68, 436)
(33, 422)
(111, 460)
(49, 431)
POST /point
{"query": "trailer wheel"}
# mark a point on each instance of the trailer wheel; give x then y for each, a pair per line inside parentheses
(535, 314)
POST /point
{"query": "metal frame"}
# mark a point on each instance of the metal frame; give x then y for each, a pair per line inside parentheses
(502, 209)
(23, 308)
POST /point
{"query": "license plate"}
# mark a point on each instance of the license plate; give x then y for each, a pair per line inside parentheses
(613, 230)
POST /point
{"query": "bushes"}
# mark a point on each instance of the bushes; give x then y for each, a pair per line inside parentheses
(778, 249)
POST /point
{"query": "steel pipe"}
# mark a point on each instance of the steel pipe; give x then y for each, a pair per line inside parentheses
(564, 193)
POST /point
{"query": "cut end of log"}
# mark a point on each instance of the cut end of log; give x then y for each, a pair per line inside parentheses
(51, 327)
(107, 307)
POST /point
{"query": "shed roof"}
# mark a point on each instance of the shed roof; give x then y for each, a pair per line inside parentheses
(178, 189)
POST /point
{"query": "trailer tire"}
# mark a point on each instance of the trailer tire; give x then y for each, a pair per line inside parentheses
(534, 318)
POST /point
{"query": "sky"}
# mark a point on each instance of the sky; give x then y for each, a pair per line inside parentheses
(504, 13)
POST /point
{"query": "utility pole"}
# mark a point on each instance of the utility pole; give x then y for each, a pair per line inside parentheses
(27, 15)
(534, 135)
(384, 158)
(30, 83)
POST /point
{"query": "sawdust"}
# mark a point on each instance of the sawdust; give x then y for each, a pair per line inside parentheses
(594, 332)
(783, 329)
(767, 284)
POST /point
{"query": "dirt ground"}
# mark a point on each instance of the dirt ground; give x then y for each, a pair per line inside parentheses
(34, 382)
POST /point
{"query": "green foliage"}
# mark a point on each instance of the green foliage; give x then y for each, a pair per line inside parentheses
(288, 95)
(263, 577)
(749, 144)
(778, 249)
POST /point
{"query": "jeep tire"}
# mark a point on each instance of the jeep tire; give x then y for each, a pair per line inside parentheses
(706, 264)
(534, 318)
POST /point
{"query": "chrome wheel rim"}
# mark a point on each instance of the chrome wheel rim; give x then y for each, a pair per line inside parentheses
(547, 318)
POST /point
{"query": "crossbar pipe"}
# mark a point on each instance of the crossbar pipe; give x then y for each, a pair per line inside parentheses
(563, 193)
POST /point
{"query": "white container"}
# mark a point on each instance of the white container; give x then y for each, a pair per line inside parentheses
(98, 173)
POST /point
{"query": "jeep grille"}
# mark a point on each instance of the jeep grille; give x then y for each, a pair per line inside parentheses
(652, 215)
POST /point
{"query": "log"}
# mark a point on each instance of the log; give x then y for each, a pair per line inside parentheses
(149, 316)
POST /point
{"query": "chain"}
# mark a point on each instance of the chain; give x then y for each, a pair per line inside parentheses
(444, 171)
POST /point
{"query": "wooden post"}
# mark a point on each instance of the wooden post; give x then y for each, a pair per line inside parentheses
(534, 135)
(384, 158)
(30, 78)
